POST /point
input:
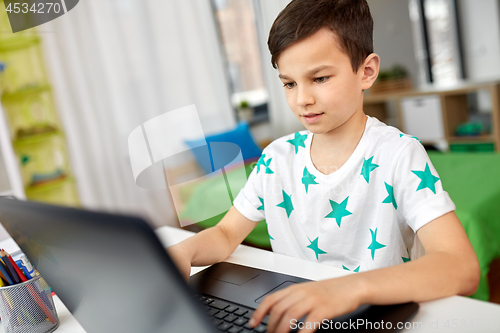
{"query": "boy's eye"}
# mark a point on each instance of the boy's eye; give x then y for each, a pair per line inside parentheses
(321, 79)
(289, 85)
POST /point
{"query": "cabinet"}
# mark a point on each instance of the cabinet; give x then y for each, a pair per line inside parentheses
(456, 106)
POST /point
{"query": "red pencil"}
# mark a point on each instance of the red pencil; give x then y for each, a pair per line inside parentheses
(18, 271)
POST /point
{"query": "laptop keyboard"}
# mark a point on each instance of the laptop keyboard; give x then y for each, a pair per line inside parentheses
(231, 317)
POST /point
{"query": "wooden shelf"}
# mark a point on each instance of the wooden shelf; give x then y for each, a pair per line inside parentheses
(454, 108)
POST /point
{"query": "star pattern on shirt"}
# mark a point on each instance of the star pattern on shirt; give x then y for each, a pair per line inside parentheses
(390, 198)
(308, 178)
(314, 246)
(427, 179)
(368, 167)
(260, 162)
(298, 141)
(338, 211)
(374, 244)
(267, 227)
(413, 137)
(263, 163)
(268, 169)
(406, 259)
(287, 203)
(261, 207)
(356, 270)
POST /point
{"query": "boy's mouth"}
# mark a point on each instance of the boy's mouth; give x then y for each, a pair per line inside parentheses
(311, 114)
(311, 117)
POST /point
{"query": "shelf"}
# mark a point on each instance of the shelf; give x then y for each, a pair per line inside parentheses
(26, 91)
(48, 186)
(479, 138)
(33, 139)
(450, 109)
(18, 42)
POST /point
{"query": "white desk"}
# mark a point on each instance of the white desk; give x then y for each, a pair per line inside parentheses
(453, 314)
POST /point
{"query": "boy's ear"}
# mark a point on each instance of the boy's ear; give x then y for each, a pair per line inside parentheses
(370, 69)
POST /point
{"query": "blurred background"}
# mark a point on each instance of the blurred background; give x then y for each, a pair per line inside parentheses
(74, 88)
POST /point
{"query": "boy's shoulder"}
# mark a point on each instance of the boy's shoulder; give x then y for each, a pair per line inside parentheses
(382, 137)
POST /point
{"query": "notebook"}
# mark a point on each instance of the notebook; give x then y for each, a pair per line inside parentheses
(114, 275)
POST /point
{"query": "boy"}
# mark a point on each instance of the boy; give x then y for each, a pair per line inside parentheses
(350, 191)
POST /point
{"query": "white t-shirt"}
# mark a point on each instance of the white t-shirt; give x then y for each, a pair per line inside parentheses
(362, 216)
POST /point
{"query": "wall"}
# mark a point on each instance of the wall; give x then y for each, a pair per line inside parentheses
(392, 35)
(479, 20)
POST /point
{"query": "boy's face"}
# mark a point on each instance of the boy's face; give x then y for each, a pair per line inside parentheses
(320, 86)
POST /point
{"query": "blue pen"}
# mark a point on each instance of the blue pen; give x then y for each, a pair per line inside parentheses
(24, 264)
(24, 269)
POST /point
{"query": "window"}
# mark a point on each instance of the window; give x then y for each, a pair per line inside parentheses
(238, 32)
(437, 39)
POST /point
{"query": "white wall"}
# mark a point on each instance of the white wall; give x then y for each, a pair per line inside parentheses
(479, 20)
(392, 35)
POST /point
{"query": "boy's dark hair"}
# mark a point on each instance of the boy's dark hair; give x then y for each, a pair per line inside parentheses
(350, 20)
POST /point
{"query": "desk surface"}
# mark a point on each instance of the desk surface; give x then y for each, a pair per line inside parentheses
(453, 314)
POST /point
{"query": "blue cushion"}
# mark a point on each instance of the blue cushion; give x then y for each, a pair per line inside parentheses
(240, 136)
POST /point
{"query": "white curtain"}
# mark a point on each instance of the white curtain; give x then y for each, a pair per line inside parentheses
(115, 64)
(282, 119)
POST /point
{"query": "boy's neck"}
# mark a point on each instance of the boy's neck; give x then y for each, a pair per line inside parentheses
(345, 137)
(329, 151)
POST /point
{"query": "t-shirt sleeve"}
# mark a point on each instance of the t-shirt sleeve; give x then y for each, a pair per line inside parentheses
(418, 191)
(250, 199)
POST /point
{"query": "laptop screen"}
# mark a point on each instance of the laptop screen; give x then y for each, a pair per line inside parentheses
(111, 271)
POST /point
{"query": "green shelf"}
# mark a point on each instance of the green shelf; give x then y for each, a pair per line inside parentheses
(37, 138)
(30, 90)
(18, 42)
(48, 186)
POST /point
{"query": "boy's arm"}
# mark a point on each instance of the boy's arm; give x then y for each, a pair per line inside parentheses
(449, 268)
(212, 245)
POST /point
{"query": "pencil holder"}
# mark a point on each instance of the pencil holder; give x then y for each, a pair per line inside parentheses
(28, 307)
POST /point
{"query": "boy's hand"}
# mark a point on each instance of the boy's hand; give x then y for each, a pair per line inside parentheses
(181, 260)
(315, 300)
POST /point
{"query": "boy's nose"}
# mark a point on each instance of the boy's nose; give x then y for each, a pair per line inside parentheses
(304, 97)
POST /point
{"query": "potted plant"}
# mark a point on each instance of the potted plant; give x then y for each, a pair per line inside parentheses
(394, 79)
(245, 112)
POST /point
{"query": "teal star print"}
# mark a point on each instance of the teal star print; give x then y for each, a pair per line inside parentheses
(390, 198)
(268, 169)
(406, 259)
(287, 203)
(267, 227)
(298, 141)
(368, 167)
(427, 179)
(262, 202)
(338, 211)
(260, 162)
(374, 245)
(314, 246)
(308, 179)
(347, 269)
(413, 137)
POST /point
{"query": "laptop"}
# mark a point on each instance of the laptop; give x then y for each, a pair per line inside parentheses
(114, 275)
